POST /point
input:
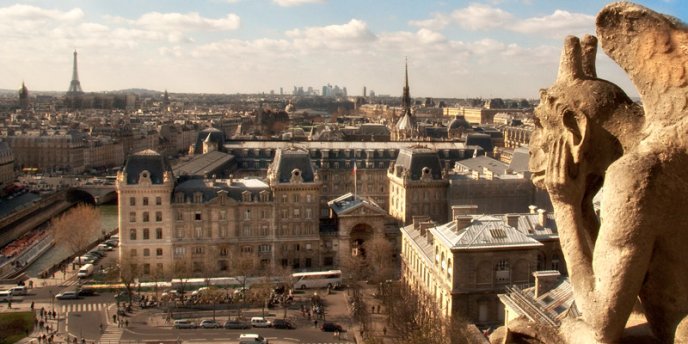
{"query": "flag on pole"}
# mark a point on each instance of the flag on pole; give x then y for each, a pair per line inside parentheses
(355, 181)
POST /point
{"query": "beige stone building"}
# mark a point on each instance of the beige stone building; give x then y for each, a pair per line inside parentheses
(417, 186)
(465, 263)
(7, 172)
(197, 226)
(49, 150)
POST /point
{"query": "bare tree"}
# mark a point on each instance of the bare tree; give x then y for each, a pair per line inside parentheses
(127, 273)
(284, 275)
(417, 319)
(243, 267)
(77, 228)
(181, 272)
(379, 256)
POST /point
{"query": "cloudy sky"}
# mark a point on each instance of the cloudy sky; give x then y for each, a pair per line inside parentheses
(480, 48)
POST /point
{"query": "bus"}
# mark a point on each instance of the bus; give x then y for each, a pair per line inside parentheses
(318, 279)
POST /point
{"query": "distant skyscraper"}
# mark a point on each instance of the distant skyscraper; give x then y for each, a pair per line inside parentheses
(75, 85)
(365, 93)
(281, 91)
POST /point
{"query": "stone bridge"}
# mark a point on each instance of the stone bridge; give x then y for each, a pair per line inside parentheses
(94, 194)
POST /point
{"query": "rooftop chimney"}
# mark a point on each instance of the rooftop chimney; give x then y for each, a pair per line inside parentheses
(512, 220)
(532, 208)
(462, 221)
(458, 210)
(545, 281)
(542, 217)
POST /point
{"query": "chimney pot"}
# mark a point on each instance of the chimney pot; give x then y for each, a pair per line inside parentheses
(542, 217)
(532, 208)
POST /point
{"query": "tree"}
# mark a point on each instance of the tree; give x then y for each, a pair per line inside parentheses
(77, 228)
(379, 258)
(417, 319)
(243, 267)
(180, 274)
(284, 275)
(127, 272)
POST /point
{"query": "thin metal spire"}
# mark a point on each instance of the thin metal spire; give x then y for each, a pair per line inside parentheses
(75, 85)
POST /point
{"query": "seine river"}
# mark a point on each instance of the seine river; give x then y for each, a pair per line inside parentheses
(108, 218)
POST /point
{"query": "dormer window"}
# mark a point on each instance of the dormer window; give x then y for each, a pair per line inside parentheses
(246, 196)
(296, 176)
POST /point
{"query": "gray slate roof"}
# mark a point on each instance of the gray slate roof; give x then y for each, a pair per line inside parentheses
(146, 160)
(287, 160)
(210, 188)
(414, 159)
(483, 232)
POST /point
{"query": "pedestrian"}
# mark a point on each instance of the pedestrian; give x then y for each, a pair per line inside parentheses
(42, 311)
(9, 304)
(114, 318)
(384, 331)
(315, 323)
(32, 306)
(54, 315)
(40, 324)
(126, 323)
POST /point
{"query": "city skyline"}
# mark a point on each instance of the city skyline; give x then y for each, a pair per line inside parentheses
(496, 48)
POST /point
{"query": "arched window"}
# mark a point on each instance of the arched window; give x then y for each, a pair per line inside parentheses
(502, 271)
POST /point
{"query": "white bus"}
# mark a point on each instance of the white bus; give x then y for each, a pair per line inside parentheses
(319, 279)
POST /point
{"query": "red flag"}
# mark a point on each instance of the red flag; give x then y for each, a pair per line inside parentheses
(354, 168)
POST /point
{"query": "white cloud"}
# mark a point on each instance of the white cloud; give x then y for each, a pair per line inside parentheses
(32, 13)
(437, 22)
(481, 17)
(558, 24)
(187, 22)
(349, 35)
(291, 3)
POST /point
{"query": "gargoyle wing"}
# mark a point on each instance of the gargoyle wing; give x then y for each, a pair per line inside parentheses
(653, 50)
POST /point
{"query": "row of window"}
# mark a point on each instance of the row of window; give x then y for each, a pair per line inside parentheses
(144, 201)
(296, 198)
(145, 216)
(145, 234)
(146, 252)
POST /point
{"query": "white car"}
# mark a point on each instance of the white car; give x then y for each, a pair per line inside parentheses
(260, 322)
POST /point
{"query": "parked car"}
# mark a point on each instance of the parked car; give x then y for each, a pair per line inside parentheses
(210, 324)
(97, 253)
(184, 323)
(260, 322)
(252, 338)
(67, 295)
(105, 247)
(87, 292)
(236, 324)
(331, 327)
(18, 290)
(283, 324)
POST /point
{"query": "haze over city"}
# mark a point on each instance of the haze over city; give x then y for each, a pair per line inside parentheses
(495, 48)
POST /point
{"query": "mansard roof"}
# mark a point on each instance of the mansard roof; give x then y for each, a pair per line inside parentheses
(416, 159)
(210, 188)
(290, 160)
(146, 160)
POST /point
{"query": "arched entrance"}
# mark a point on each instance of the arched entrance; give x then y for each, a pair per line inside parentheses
(359, 234)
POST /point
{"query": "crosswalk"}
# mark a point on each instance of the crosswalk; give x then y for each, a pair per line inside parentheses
(84, 307)
(112, 334)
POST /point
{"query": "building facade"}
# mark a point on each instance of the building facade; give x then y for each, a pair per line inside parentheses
(464, 264)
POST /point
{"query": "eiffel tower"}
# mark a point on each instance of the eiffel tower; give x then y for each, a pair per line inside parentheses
(75, 85)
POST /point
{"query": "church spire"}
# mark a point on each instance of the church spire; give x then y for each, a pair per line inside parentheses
(406, 98)
(75, 85)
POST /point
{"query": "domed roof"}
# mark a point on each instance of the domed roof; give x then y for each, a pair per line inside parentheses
(458, 122)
